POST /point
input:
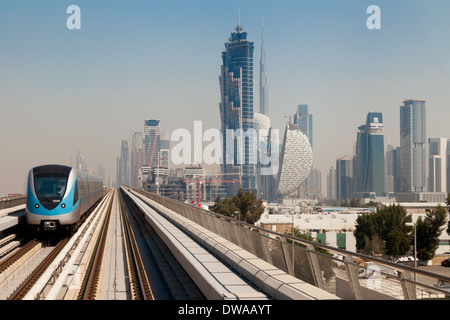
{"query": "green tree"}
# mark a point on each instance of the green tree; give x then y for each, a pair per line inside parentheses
(384, 231)
(225, 207)
(366, 229)
(244, 206)
(394, 232)
(429, 230)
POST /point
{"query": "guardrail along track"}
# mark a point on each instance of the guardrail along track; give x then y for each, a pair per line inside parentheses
(141, 289)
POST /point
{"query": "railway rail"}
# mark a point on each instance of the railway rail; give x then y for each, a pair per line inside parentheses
(23, 289)
(4, 265)
(89, 286)
(44, 275)
(138, 276)
(127, 247)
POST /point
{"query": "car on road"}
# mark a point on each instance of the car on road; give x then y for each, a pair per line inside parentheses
(446, 263)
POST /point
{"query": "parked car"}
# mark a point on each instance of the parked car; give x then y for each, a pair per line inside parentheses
(446, 263)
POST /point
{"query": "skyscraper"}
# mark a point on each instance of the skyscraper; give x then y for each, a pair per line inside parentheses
(236, 111)
(136, 160)
(392, 168)
(413, 146)
(344, 178)
(152, 143)
(369, 173)
(123, 165)
(437, 164)
(331, 184)
(264, 182)
(263, 88)
(304, 122)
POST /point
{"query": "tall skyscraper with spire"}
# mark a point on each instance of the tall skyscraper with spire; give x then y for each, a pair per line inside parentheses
(263, 88)
(236, 111)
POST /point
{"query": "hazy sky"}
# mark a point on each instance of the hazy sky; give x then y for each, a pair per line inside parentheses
(64, 91)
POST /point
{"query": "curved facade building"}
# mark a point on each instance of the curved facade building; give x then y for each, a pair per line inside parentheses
(295, 160)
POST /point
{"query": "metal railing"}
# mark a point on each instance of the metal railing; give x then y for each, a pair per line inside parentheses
(347, 274)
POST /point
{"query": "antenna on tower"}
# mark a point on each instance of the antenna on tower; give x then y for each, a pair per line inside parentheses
(239, 15)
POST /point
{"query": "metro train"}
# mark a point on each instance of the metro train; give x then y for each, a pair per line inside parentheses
(57, 197)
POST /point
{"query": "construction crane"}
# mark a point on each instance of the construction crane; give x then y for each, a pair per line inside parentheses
(289, 116)
(216, 181)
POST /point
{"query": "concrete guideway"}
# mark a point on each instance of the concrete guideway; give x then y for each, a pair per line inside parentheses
(113, 284)
(274, 282)
(11, 217)
(214, 278)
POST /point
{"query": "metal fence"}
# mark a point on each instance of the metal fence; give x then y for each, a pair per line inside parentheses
(348, 275)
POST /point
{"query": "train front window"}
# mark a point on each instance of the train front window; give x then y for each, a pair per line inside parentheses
(50, 185)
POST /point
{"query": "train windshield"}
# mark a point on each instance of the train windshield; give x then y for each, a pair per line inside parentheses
(50, 185)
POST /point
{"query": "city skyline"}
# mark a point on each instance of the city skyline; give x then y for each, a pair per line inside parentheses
(154, 60)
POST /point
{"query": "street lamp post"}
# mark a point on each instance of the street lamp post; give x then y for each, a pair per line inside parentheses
(293, 243)
(411, 224)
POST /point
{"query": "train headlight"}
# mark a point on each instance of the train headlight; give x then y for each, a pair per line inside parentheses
(36, 205)
(63, 205)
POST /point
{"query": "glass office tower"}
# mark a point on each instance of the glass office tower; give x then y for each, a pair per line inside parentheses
(236, 111)
(413, 146)
(369, 173)
(304, 122)
(152, 142)
(344, 178)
